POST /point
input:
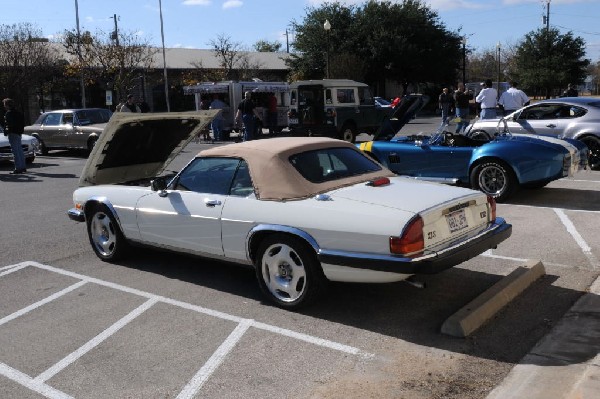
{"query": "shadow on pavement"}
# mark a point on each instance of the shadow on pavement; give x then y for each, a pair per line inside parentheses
(396, 310)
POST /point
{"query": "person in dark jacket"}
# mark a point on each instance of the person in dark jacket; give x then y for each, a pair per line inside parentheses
(14, 125)
(446, 105)
(246, 112)
(462, 98)
(570, 92)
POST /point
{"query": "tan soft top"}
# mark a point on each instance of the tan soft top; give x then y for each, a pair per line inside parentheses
(274, 177)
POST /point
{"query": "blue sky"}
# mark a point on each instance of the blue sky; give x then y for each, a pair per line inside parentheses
(193, 23)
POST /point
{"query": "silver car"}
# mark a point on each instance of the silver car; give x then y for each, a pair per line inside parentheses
(571, 117)
(69, 128)
(30, 147)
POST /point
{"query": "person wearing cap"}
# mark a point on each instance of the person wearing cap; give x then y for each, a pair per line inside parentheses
(130, 105)
(246, 112)
(487, 99)
(512, 99)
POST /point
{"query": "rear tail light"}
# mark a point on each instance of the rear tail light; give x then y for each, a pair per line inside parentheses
(382, 181)
(411, 241)
(492, 208)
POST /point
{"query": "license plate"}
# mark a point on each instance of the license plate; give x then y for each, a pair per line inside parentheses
(457, 221)
(293, 121)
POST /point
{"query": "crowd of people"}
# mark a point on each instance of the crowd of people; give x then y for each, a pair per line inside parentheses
(488, 102)
(457, 104)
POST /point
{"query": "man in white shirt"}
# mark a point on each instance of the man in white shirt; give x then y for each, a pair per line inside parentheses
(512, 99)
(487, 98)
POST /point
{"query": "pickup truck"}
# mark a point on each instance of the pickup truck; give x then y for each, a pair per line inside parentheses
(338, 108)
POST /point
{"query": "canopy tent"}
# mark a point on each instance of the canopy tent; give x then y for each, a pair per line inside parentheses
(267, 88)
(206, 88)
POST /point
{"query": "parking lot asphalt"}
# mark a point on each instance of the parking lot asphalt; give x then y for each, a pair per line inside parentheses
(162, 325)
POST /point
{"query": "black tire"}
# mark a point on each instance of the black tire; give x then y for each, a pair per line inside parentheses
(104, 234)
(29, 160)
(494, 178)
(42, 147)
(593, 144)
(480, 135)
(91, 143)
(348, 133)
(288, 272)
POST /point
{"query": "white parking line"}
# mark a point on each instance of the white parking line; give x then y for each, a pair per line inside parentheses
(94, 342)
(587, 251)
(41, 303)
(11, 269)
(195, 384)
(28, 382)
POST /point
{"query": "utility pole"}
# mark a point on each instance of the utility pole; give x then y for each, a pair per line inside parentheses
(287, 42)
(162, 35)
(116, 32)
(547, 16)
(81, 79)
(548, 49)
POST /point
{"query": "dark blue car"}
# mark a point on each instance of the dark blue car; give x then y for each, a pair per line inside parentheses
(498, 166)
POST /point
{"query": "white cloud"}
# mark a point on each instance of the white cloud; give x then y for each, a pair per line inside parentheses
(196, 2)
(232, 4)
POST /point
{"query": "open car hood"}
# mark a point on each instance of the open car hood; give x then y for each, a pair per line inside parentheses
(404, 112)
(137, 146)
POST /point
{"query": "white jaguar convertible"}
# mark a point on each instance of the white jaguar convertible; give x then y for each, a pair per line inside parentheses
(301, 211)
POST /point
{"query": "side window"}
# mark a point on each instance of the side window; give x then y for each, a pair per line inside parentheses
(67, 118)
(576, 112)
(52, 119)
(208, 175)
(345, 96)
(242, 183)
(364, 94)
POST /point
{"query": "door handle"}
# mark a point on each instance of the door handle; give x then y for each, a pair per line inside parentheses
(211, 202)
(550, 125)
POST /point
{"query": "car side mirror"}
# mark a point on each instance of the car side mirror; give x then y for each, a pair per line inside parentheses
(159, 184)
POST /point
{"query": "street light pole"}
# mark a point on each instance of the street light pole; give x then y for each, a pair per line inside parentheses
(162, 35)
(498, 48)
(464, 56)
(327, 27)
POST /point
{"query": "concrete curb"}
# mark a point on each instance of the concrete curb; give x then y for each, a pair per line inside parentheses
(486, 305)
(566, 362)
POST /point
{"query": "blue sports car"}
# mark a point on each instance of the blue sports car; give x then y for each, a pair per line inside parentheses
(496, 166)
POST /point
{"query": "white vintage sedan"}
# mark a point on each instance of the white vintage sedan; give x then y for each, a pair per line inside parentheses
(301, 211)
(29, 143)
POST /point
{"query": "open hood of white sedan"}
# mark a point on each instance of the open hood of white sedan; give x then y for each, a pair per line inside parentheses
(140, 146)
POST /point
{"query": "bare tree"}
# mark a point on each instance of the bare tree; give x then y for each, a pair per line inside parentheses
(227, 52)
(102, 59)
(25, 61)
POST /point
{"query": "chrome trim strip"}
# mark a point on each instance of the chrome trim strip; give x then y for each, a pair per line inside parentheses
(104, 201)
(431, 253)
(281, 229)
